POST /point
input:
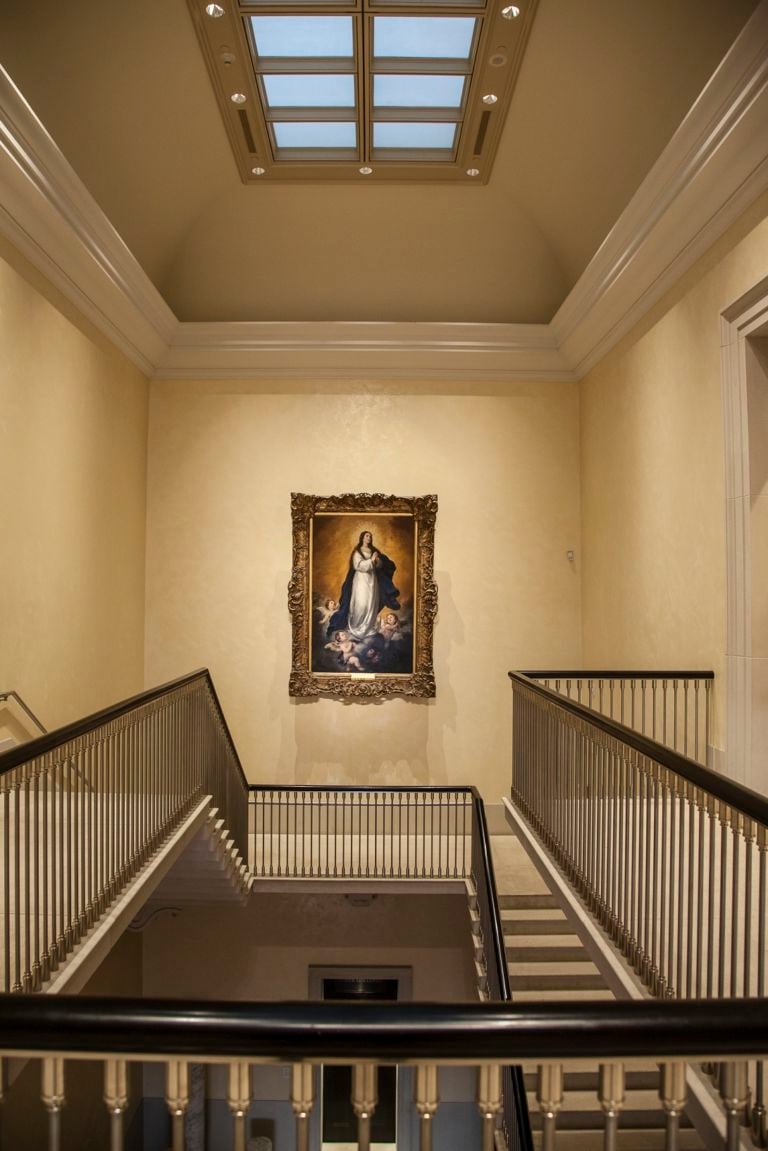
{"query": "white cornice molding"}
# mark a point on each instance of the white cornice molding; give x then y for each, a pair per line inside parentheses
(715, 165)
(398, 351)
(49, 215)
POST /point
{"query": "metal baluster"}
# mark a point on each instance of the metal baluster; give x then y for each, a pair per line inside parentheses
(7, 912)
(427, 1100)
(26, 978)
(673, 1093)
(610, 1094)
(759, 1119)
(280, 804)
(672, 901)
(38, 892)
(177, 1098)
(17, 913)
(302, 1099)
(489, 1101)
(292, 804)
(693, 880)
(116, 1099)
(699, 801)
(710, 952)
(725, 822)
(738, 826)
(549, 1096)
(666, 889)
(683, 905)
(239, 1099)
(734, 1095)
(364, 1100)
(53, 1096)
(653, 942)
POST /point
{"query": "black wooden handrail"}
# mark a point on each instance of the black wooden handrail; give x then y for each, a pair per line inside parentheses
(516, 1112)
(463, 789)
(81, 727)
(632, 674)
(741, 798)
(386, 1032)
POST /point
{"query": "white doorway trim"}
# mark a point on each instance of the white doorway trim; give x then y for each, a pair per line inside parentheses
(744, 319)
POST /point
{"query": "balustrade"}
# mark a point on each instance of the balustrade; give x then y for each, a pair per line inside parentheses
(669, 856)
(61, 1031)
(84, 808)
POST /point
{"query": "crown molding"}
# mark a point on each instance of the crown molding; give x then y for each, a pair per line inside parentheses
(715, 165)
(398, 351)
(713, 168)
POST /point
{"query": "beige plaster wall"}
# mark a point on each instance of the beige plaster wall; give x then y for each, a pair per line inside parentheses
(223, 460)
(264, 949)
(652, 458)
(73, 420)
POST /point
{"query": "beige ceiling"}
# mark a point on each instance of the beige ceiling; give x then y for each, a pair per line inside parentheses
(122, 88)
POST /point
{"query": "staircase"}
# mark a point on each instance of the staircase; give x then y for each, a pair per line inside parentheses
(548, 962)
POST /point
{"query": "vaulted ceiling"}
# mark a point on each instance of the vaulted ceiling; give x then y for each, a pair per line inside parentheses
(123, 90)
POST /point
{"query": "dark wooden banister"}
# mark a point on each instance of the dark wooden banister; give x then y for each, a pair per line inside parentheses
(81, 727)
(384, 1032)
(659, 675)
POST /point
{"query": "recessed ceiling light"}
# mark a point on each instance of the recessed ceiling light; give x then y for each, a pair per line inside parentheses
(473, 171)
(366, 171)
(237, 98)
(214, 11)
(490, 99)
(511, 12)
(258, 171)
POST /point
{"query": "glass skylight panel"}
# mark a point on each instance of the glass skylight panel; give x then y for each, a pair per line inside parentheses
(309, 91)
(415, 134)
(315, 134)
(303, 36)
(403, 91)
(425, 37)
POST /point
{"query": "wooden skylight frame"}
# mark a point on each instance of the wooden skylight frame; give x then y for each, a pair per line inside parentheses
(236, 70)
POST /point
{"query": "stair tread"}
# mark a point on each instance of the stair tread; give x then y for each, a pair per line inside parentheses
(557, 981)
(560, 954)
(517, 901)
(628, 1140)
(560, 996)
(537, 927)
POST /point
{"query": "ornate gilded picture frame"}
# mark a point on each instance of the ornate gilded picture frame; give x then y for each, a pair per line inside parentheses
(362, 595)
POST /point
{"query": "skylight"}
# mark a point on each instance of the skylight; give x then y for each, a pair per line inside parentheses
(390, 89)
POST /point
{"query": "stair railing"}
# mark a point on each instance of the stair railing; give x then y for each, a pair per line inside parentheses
(670, 707)
(336, 832)
(516, 1120)
(61, 1030)
(669, 856)
(84, 808)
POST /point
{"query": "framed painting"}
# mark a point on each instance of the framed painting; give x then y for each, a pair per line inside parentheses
(362, 595)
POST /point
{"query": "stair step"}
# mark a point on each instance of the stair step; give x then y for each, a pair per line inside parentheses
(560, 981)
(537, 927)
(628, 1140)
(547, 955)
(562, 996)
(526, 902)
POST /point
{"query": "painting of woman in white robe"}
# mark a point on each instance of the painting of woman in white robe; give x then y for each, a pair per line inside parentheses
(363, 594)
